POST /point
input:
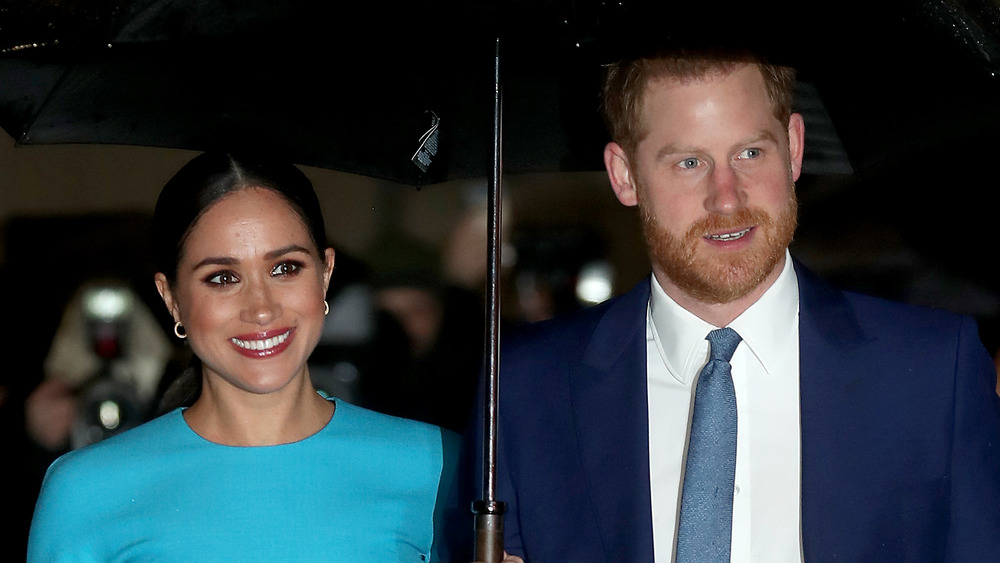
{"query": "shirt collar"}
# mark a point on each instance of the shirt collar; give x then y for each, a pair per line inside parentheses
(765, 326)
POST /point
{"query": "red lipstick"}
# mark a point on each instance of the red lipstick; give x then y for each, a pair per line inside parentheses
(263, 344)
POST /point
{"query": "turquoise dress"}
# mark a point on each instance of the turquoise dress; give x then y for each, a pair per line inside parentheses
(365, 488)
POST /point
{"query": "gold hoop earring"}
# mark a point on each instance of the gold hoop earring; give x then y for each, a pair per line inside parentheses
(326, 308)
(178, 327)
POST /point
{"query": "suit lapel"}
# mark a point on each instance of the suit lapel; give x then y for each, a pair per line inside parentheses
(609, 404)
(832, 353)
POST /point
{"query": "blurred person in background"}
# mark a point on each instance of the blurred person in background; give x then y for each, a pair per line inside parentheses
(102, 371)
(557, 271)
(443, 322)
(360, 341)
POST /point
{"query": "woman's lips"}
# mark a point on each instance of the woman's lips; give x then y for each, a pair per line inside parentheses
(263, 344)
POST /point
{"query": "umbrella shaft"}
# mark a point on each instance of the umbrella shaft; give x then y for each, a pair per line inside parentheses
(493, 293)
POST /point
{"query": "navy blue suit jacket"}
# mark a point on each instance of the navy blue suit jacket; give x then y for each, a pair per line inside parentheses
(900, 431)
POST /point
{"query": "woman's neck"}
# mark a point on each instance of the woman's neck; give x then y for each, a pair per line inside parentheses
(234, 417)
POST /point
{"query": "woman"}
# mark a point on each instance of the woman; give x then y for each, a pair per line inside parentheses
(260, 467)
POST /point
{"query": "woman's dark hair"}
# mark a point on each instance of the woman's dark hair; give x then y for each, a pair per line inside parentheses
(211, 176)
(195, 188)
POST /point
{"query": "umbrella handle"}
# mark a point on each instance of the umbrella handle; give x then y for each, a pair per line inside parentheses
(489, 531)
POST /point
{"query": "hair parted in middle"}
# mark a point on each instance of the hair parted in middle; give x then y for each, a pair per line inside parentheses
(208, 178)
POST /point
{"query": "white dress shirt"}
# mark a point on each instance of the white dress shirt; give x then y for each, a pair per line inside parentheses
(766, 505)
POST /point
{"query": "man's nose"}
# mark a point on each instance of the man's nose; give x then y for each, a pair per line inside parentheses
(726, 193)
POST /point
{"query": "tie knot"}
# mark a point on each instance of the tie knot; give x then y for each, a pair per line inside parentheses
(724, 342)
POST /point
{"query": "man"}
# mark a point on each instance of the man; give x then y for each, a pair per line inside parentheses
(864, 430)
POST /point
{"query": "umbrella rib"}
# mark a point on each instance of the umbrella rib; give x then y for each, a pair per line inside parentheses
(24, 136)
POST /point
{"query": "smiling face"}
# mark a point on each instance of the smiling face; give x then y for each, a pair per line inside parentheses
(249, 290)
(714, 179)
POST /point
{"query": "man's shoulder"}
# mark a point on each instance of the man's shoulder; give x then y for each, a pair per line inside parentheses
(895, 307)
(821, 299)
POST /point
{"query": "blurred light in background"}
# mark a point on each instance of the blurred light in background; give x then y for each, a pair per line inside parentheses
(110, 414)
(107, 304)
(594, 283)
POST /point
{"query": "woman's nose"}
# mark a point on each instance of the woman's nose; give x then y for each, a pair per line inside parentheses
(260, 306)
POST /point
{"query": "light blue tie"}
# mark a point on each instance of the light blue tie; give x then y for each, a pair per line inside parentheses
(706, 520)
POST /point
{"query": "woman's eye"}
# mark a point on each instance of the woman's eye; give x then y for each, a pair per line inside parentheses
(749, 154)
(286, 268)
(223, 278)
(688, 163)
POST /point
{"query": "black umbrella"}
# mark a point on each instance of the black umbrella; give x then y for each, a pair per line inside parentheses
(409, 92)
(355, 88)
(361, 89)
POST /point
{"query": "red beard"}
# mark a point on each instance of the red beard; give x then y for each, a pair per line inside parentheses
(719, 279)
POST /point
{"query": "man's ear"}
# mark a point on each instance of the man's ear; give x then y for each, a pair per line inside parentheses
(796, 143)
(620, 174)
(163, 286)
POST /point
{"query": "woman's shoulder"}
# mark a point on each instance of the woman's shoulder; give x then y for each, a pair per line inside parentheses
(361, 417)
(117, 452)
(375, 426)
(102, 478)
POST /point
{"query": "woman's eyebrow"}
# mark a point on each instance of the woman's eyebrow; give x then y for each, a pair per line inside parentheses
(216, 261)
(229, 261)
(286, 250)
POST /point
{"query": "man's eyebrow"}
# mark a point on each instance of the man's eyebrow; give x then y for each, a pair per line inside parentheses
(673, 149)
(763, 136)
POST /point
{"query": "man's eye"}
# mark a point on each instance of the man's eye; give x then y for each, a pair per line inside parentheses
(749, 154)
(688, 163)
(286, 268)
(223, 278)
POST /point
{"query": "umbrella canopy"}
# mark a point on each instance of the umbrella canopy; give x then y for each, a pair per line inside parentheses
(357, 88)
(394, 90)
(343, 90)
